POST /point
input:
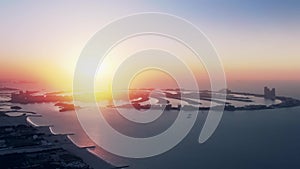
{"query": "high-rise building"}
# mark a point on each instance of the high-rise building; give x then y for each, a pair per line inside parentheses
(269, 94)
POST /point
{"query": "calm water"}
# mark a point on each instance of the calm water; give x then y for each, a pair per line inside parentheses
(244, 139)
(247, 140)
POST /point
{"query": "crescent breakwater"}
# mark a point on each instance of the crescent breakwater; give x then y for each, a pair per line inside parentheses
(209, 96)
(139, 99)
(285, 102)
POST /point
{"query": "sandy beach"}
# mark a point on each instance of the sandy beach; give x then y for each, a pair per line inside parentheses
(56, 141)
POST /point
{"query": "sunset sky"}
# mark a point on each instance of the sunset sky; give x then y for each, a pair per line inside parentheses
(255, 39)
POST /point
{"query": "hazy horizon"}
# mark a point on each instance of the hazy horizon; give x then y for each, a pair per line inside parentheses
(256, 40)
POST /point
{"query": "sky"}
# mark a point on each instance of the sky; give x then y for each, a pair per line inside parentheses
(256, 40)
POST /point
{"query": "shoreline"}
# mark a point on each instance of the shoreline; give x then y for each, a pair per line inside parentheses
(67, 144)
(56, 140)
(64, 102)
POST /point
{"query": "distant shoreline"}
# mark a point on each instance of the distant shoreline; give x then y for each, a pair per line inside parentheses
(64, 101)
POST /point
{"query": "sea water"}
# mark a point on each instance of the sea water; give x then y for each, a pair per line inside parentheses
(257, 139)
(243, 139)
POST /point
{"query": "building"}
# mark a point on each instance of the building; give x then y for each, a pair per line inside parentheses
(269, 94)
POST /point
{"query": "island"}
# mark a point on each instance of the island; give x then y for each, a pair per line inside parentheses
(22, 143)
(171, 99)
